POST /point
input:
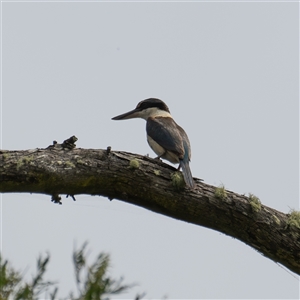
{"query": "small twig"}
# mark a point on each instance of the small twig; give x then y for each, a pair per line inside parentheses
(70, 142)
(108, 150)
(67, 144)
(72, 196)
(56, 199)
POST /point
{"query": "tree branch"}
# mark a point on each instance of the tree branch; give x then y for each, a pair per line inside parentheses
(156, 186)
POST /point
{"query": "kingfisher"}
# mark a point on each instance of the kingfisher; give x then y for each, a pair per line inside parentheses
(165, 137)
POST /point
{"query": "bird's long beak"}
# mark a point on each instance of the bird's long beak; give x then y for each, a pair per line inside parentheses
(135, 113)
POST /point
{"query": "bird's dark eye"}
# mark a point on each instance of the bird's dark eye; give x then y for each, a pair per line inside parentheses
(143, 105)
(139, 104)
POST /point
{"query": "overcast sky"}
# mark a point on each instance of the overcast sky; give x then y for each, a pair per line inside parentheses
(229, 73)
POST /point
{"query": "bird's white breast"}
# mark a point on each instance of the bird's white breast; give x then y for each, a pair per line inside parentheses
(161, 152)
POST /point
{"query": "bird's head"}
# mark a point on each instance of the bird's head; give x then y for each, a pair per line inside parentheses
(151, 107)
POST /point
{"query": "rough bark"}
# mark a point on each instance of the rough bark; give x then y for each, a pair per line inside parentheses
(153, 185)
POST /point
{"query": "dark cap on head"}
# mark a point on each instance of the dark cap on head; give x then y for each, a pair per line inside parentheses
(152, 102)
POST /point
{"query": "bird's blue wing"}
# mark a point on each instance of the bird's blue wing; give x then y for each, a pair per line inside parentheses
(165, 132)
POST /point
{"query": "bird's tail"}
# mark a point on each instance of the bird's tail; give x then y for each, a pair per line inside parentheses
(187, 174)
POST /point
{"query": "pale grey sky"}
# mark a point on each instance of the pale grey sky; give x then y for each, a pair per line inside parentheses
(229, 73)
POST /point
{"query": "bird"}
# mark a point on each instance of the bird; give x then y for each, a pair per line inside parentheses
(165, 137)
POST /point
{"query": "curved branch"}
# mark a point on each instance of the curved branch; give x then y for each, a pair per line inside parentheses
(154, 185)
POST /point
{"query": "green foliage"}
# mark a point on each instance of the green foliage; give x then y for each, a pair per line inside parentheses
(294, 219)
(177, 180)
(156, 172)
(134, 164)
(92, 280)
(12, 285)
(220, 192)
(9, 279)
(94, 284)
(254, 202)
